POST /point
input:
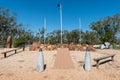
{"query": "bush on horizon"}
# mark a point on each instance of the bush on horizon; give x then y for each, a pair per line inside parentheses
(116, 46)
(19, 42)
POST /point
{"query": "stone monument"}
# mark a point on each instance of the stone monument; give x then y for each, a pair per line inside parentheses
(9, 42)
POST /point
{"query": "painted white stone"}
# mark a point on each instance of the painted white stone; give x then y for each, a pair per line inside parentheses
(87, 60)
(102, 46)
(40, 62)
(107, 44)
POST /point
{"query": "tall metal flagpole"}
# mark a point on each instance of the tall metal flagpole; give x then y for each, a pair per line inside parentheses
(44, 28)
(80, 29)
(60, 6)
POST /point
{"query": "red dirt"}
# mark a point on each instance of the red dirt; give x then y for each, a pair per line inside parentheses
(63, 59)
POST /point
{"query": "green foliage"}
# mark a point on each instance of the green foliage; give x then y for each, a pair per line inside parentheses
(65, 40)
(67, 37)
(90, 38)
(116, 46)
(73, 36)
(107, 28)
(53, 37)
(7, 21)
(19, 42)
(8, 25)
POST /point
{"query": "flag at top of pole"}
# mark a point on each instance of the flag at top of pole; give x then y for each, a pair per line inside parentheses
(59, 5)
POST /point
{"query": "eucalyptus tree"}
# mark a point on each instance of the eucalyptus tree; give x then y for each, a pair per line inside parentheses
(73, 36)
(118, 41)
(7, 23)
(107, 28)
(40, 34)
(65, 40)
(90, 37)
(57, 35)
(29, 36)
(51, 38)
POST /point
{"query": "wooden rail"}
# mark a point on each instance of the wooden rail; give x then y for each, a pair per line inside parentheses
(5, 53)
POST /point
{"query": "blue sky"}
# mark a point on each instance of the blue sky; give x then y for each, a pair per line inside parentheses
(32, 12)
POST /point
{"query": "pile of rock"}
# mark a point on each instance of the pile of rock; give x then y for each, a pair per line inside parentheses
(35, 46)
(48, 47)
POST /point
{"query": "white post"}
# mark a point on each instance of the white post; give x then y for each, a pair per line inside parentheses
(44, 28)
(60, 6)
(80, 29)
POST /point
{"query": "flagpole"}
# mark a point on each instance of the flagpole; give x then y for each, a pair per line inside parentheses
(80, 29)
(60, 6)
(61, 21)
(44, 28)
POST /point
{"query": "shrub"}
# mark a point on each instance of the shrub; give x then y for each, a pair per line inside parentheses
(19, 42)
(116, 46)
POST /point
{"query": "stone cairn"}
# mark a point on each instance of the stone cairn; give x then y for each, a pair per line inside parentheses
(9, 42)
(48, 47)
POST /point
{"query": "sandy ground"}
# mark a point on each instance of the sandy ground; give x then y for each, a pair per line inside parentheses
(22, 66)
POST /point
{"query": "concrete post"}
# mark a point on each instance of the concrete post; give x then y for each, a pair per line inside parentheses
(40, 61)
(87, 60)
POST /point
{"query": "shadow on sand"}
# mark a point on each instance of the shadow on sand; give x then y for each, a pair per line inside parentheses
(101, 63)
(14, 53)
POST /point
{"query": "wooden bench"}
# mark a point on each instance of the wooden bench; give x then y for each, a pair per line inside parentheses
(103, 57)
(5, 53)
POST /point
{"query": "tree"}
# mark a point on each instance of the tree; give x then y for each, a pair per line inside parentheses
(53, 37)
(73, 36)
(7, 23)
(65, 40)
(9, 27)
(41, 34)
(107, 28)
(90, 38)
